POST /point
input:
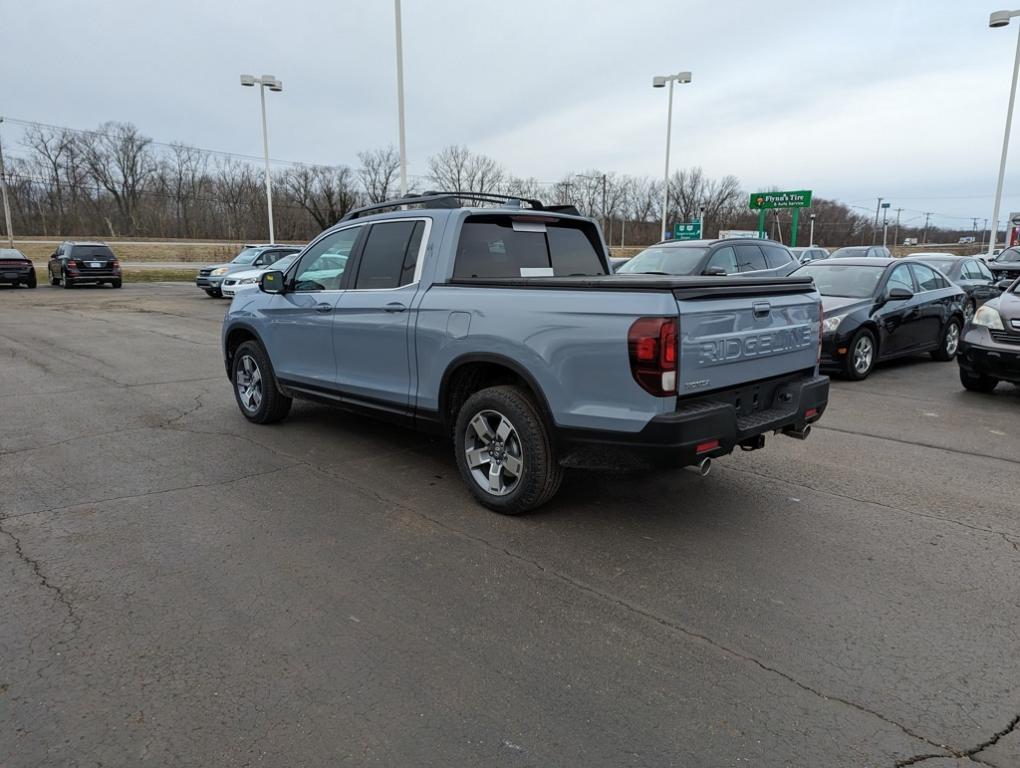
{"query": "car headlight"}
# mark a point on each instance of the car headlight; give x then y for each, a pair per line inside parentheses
(830, 324)
(987, 317)
(220, 271)
(248, 281)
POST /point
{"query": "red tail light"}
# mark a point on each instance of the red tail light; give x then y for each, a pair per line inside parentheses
(114, 263)
(652, 343)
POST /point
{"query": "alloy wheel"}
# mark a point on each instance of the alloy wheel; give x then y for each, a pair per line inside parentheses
(952, 338)
(495, 455)
(249, 383)
(864, 353)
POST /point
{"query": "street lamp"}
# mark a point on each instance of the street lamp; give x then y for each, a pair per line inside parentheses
(270, 82)
(400, 98)
(995, 20)
(659, 81)
(811, 238)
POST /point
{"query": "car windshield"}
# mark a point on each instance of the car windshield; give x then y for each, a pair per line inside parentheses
(849, 281)
(669, 260)
(1010, 255)
(247, 256)
(849, 253)
(282, 263)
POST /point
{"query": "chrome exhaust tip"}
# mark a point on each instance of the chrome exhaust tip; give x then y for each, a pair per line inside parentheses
(800, 434)
(704, 467)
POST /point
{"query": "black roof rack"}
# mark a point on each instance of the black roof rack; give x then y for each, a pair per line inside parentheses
(453, 199)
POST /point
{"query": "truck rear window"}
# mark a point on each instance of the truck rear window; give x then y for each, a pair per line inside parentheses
(492, 246)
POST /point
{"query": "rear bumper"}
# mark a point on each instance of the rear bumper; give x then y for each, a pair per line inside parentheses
(16, 275)
(93, 277)
(674, 439)
(1000, 361)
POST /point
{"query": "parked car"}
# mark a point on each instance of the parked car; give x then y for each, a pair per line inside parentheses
(74, 263)
(616, 262)
(743, 257)
(210, 278)
(249, 278)
(1006, 265)
(861, 252)
(503, 328)
(16, 268)
(990, 347)
(878, 309)
(807, 254)
(968, 272)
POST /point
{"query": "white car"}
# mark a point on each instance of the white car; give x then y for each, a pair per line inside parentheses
(240, 281)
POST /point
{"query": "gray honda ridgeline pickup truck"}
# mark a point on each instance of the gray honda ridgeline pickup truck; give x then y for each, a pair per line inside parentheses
(503, 327)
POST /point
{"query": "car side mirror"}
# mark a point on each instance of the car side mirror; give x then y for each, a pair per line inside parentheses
(715, 272)
(271, 282)
(899, 294)
(805, 259)
(1003, 285)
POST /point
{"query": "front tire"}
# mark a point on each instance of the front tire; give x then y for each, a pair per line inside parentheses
(116, 283)
(860, 356)
(503, 451)
(949, 343)
(255, 387)
(53, 280)
(977, 382)
(212, 293)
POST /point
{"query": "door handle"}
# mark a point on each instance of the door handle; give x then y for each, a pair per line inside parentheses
(323, 307)
(395, 306)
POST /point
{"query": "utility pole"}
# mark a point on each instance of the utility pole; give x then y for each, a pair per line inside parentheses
(885, 226)
(874, 229)
(3, 186)
(896, 232)
(924, 237)
(984, 231)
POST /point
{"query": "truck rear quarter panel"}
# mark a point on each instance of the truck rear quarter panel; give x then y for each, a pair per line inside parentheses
(573, 343)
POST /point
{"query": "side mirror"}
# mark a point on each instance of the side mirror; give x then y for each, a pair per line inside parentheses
(1003, 285)
(899, 294)
(715, 272)
(271, 282)
(805, 259)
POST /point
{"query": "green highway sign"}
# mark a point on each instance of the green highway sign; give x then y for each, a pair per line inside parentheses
(797, 199)
(688, 230)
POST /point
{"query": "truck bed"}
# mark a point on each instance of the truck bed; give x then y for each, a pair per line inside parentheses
(681, 287)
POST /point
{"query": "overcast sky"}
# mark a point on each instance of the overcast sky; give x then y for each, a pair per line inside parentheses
(853, 100)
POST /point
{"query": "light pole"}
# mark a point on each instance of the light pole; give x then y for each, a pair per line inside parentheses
(811, 235)
(7, 205)
(659, 81)
(400, 98)
(995, 20)
(270, 82)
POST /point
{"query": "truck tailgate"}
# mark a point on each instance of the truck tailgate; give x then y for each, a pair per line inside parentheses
(731, 338)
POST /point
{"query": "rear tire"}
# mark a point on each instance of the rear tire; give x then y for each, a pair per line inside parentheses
(977, 382)
(255, 387)
(949, 342)
(66, 282)
(503, 451)
(31, 282)
(862, 352)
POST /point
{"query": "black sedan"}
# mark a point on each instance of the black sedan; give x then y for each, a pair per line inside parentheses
(968, 272)
(1006, 264)
(878, 309)
(16, 268)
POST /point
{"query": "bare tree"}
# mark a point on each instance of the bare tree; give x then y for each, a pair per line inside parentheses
(378, 173)
(326, 192)
(118, 159)
(457, 169)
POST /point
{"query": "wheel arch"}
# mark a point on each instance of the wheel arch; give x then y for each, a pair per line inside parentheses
(235, 337)
(471, 372)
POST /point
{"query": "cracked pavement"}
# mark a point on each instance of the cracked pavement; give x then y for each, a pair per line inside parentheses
(179, 587)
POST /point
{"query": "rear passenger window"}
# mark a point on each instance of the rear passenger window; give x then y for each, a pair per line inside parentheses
(493, 247)
(926, 278)
(749, 258)
(390, 255)
(984, 272)
(776, 256)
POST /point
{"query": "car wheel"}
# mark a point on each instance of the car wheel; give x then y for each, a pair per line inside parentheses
(31, 282)
(255, 385)
(860, 356)
(968, 311)
(977, 382)
(950, 341)
(503, 451)
(212, 294)
(67, 281)
(116, 283)
(53, 280)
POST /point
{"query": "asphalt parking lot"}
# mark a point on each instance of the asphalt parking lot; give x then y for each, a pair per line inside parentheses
(179, 587)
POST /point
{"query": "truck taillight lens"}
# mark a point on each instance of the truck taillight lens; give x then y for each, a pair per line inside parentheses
(652, 344)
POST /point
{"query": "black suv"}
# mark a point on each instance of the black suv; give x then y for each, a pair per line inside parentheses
(73, 263)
